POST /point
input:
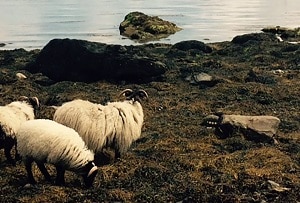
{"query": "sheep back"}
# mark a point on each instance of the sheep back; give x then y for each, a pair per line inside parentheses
(13, 114)
(43, 139)
(116, 124)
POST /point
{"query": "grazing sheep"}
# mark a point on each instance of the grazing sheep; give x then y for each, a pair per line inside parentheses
(45, 141)
(11, 117)
(114, 125)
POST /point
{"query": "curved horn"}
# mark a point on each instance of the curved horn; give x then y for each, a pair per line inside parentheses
(143, 93)
(36, 101)
(23, 98)
(93, 169)
(126, 92)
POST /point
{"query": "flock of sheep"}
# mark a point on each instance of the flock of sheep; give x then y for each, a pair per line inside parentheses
(80, 130)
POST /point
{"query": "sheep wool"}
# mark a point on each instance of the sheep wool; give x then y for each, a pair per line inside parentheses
(116, 124)
(43, 140)
(11, 117)
(13, 114)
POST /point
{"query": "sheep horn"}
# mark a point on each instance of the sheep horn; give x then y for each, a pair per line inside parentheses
(23, 98)
(35, 100)
(142, 93)
(94, 168)
(126, 92)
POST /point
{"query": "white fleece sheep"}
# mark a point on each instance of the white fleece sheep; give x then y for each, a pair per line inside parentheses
(45, 141)
(11, 117)
(114, 125)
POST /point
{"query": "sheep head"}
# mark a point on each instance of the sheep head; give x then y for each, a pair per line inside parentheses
(135, 95)
(89, 177)
(33, 101)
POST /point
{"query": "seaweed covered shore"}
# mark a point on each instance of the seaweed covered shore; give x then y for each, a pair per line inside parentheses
(177, 159)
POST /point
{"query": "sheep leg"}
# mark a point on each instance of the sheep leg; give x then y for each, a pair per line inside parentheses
(117, 154)
(17, 155)
(28, 164)
(9, 145)
(60, 175)
(44, 170)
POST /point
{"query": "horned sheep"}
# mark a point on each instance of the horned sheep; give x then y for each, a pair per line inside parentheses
(115, 125)
(46, 141)
(11, 117)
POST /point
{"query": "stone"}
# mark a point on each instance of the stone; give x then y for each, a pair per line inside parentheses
(84, 61)
(257, 128)
(253, 37)
(192, 45)
(143, 28)
(202, 79)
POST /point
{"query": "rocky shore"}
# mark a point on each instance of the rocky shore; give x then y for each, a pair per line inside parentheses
(177, 159)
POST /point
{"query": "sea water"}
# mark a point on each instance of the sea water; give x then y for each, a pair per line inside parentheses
(31, 24)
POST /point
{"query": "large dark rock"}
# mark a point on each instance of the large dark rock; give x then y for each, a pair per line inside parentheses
(79, 60)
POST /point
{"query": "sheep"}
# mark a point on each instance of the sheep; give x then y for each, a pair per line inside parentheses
(46, 141)
(114, 125)
(11, 117)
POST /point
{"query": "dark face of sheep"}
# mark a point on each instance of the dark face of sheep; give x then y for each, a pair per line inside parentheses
(89, 173)
(33, 101)
(135, 95)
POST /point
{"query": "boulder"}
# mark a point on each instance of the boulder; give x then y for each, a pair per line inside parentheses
(192, 45)
(84, 61)
(143, 28)
(256, 128)
(253, 37)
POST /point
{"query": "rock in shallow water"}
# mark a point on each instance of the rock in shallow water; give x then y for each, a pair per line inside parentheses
(142, 28)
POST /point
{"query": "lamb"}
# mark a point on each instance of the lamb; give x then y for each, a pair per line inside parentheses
(115, 125)
(11, 117)
(46, 141)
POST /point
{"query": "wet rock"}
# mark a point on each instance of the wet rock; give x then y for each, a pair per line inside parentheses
(142, 28)
(241, 39)
(283, 31)
(84, 61)
(192, 45)
(257, 128)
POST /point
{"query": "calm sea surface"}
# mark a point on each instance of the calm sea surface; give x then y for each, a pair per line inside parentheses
(31, 24)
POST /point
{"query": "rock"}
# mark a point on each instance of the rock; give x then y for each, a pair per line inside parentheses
(192, 45)
(20, 76)
(142, 28)
(241, 39)
(203, 79)
(283, 31)
(273, 186)
(257, 128)
(84, 61)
